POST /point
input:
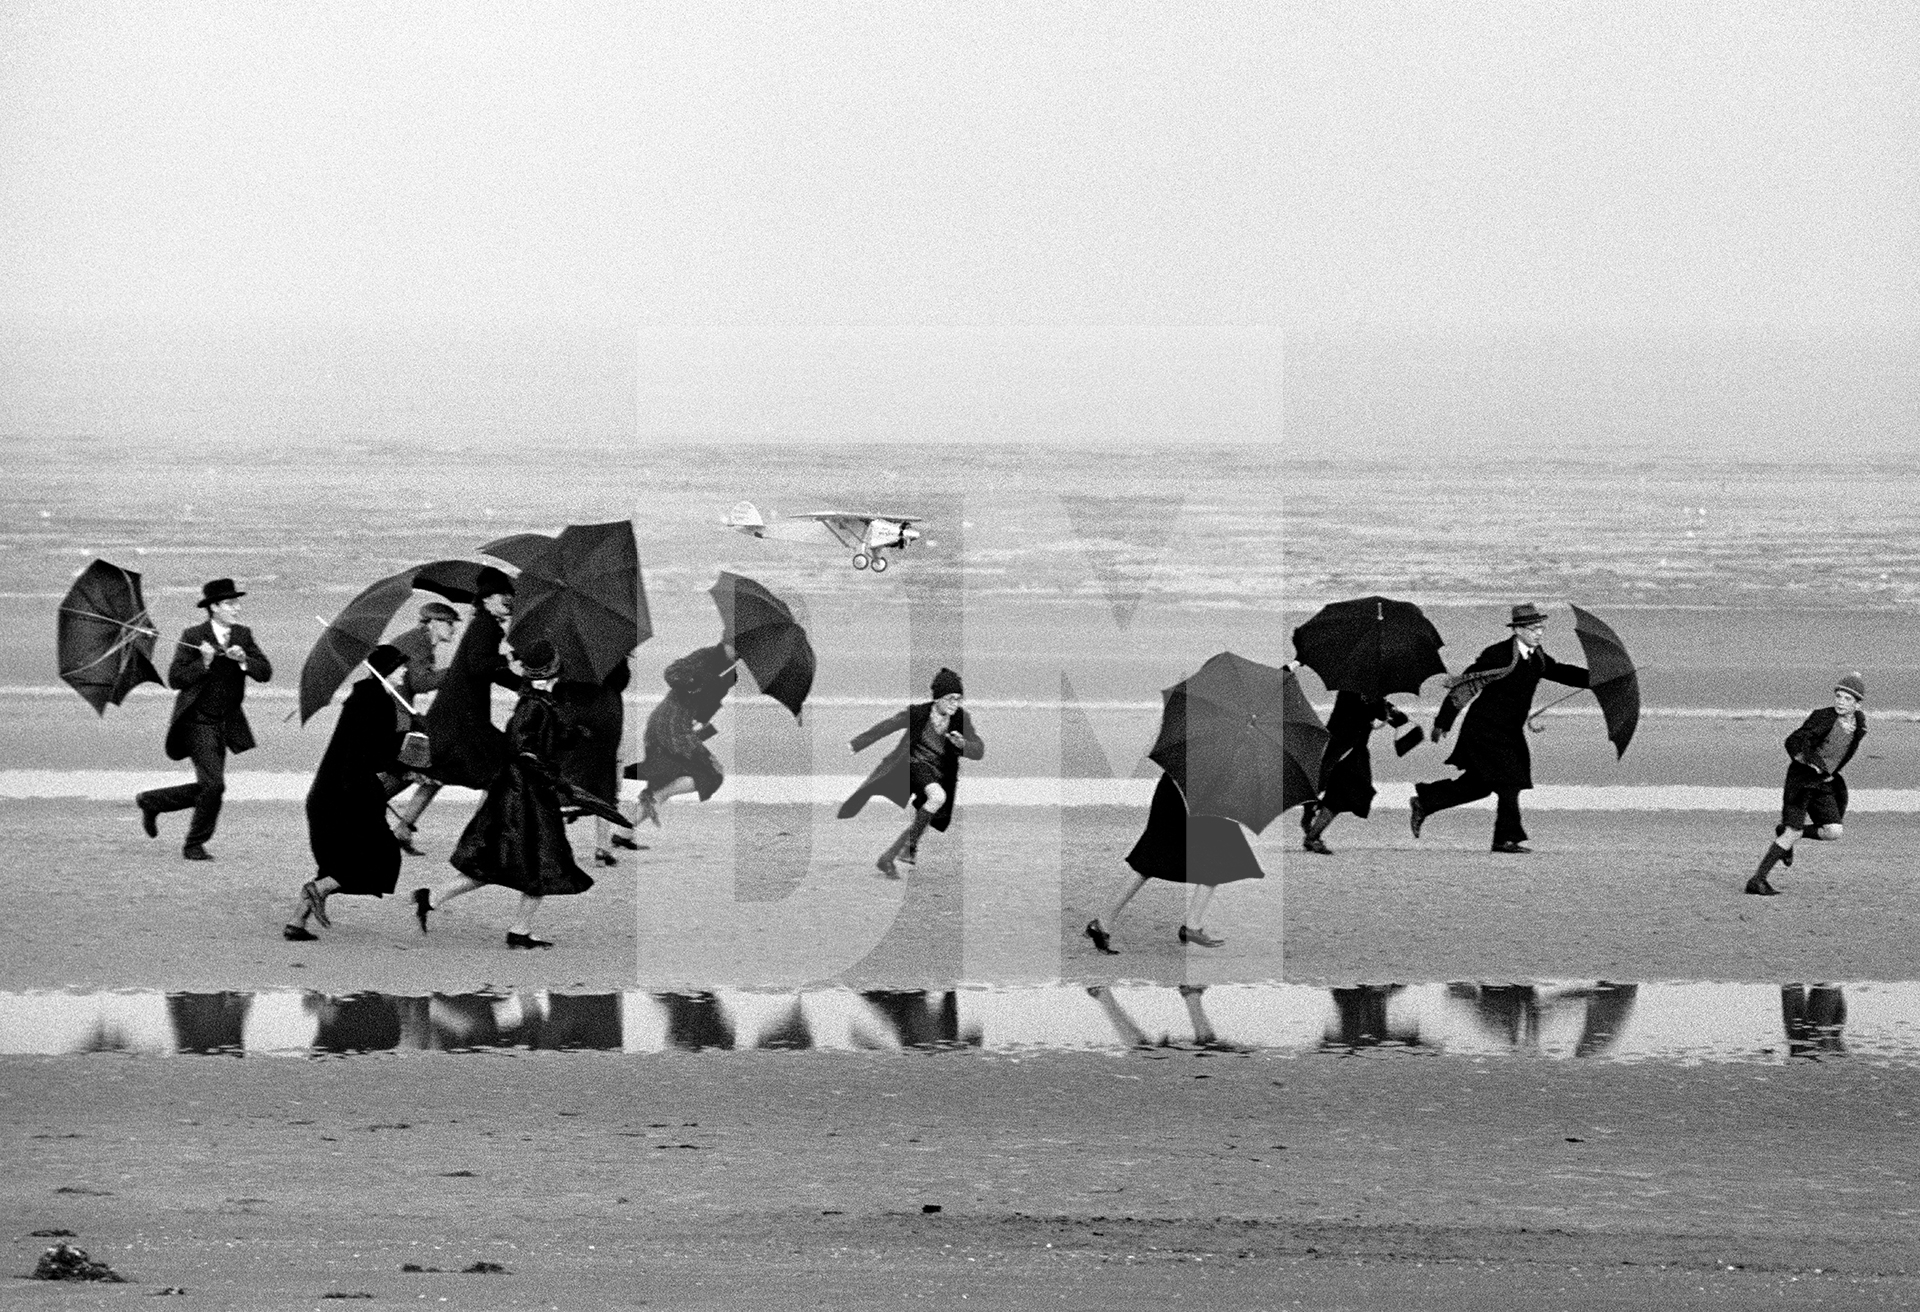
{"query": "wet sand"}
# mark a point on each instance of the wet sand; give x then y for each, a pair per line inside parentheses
(802, 1180)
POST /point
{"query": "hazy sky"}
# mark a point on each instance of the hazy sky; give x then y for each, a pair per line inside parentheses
(1131, 168)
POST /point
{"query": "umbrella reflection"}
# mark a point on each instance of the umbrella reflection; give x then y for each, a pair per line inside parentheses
(209, 1023)
(1361, 1021)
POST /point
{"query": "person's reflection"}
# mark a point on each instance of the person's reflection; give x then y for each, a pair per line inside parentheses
(209, 1023)
(1609, 1007)
(920, 1019)
(461, 1022)
(791, 1031)
(1361, 1018)
(1814, 1018)
(1509, 1012)
(580, 1020)
(355, 1022)
(695, 1021)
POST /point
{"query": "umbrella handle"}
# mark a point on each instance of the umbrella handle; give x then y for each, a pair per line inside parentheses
(1533, 721)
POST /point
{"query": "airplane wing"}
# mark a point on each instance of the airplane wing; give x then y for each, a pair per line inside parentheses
(857, 529)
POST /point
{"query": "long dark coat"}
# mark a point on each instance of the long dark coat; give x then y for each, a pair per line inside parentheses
(1493, 737)
(517, 838)
(893, 777)
(1804, 776)
(595, 716)
(1184, 849)
(1346, 767)
(673, 745)
(467, 750)
(347, 804)
(195, 677)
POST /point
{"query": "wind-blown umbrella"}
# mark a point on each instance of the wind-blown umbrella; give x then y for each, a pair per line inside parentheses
(1372, 646)
(356, 631)
(104, 636)
(766, 637)
(582, 592)
(1611, 678)
(1241, 740)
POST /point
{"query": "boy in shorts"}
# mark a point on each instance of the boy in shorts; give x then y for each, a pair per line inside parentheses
(1815, 796)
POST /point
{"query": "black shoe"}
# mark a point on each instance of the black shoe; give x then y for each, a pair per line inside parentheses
(1416, 814)
(298, 934)
(195, 852)
(526, 941)
(1512, 848)
(1759, 885)
(1199, 937)
(1101, 941)
(149, 818)
(621, 840)
(1315, 843)
(316, 903)
(422, 904)
(602, 857)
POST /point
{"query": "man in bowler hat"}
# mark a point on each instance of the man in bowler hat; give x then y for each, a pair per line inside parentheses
(211, 665)
(1492, 753)
(421, 644)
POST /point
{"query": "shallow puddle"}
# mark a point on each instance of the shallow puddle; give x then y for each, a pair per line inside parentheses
(1666, 1022)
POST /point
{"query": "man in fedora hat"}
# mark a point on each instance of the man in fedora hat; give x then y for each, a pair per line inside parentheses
(1492, 754)
(1814, 796)
(211, 665)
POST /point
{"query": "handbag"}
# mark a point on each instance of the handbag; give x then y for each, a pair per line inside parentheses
(416, 750)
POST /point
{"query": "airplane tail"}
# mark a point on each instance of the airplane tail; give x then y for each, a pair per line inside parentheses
(744, 515)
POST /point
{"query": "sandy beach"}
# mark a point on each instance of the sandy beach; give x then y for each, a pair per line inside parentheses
(1108, 1178)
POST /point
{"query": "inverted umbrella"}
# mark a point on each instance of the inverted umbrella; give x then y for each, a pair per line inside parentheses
(1241, 740)
(767, 639)
(1373, 646)
(580, 590)
(1611, 678)
(104, 636)
(356, 631)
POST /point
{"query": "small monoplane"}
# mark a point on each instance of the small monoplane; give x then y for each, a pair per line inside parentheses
(869, 535)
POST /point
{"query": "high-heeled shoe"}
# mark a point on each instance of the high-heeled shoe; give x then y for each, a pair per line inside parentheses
(1101, 939)
(527, 941)
(1199, 938)
(298, 934)
(422, 904)
(602, 857)
(621, 840)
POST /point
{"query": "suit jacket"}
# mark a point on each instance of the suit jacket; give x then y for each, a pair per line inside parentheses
(1493, 737)
(893, 777)
(1804, 774)
(195, 677)
(416, 644)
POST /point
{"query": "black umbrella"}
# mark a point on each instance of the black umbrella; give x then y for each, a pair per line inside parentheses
(1241, 740)
(581, 591)
(357, 629)
(1373, 646)
(104, 636)
(1611, 678)
(767, 639)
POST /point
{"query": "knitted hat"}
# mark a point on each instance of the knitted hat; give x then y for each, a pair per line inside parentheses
(1854, 684)
(217, 591)
(1525, 615)
(945, 682)
(538, 659)
(385, 659)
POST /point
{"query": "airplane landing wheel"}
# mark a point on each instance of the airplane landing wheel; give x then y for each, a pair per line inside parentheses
(879, 564)
(860, 560)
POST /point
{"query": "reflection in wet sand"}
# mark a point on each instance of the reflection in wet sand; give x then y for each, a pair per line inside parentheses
(1678, 1022)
